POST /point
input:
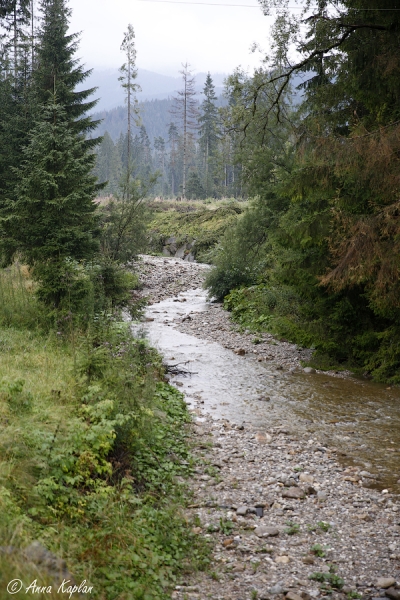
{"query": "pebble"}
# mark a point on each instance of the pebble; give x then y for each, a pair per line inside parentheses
(266, 532)
(282, 560)
(294, 492)
(242, 511)
(293, 596)
(305, 478)
(263, 438)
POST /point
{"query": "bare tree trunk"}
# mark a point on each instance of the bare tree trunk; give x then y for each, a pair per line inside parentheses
(207, 169)
(128, 177)
(15, 40)
(32, 34)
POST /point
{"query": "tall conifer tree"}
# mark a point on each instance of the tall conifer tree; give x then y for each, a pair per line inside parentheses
(208, 120)
(186, 111)
(51, 218)
(58, 70)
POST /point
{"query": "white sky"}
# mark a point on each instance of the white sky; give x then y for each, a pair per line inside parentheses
(210, 38)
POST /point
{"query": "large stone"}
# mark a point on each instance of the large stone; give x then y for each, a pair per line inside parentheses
(385, 582)
(283, 560)
(294, 493)
(266, 531)
(46, 560)
(392, 593)
(180, 253)
(309, 370)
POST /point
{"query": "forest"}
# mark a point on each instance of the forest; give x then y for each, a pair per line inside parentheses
(192, 151)
(316, 258)
(95, 449)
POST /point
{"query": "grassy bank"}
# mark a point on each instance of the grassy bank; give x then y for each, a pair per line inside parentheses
(93, 456)
(203, 221)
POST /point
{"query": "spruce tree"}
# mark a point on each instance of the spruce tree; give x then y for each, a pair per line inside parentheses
(159, 147)
(208, 139)
(50, 218)
(53, 217)
(173, 139)
(128, 75)
(108, 165)
(186, 111)
(58, 70)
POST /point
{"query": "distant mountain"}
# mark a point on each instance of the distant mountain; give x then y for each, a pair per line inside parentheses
(155, 86)
(154, 114)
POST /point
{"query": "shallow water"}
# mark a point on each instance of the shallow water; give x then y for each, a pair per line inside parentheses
(359, 418)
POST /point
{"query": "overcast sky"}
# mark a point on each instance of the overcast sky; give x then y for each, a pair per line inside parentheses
(210, 38)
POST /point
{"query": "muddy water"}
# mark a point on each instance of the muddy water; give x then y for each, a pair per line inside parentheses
(360, 419)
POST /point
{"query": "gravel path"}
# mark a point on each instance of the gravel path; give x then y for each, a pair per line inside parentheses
(284, 517)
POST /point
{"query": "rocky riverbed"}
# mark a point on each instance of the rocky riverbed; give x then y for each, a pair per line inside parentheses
(163, 278)
(285, 517)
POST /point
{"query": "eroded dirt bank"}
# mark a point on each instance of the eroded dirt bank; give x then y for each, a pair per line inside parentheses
(277, 504)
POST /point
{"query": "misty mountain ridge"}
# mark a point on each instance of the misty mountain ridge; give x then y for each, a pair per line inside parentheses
(154, 86)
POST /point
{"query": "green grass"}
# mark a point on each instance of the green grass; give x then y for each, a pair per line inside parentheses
(92, 442)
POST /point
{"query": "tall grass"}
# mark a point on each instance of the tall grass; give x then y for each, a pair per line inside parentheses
(18, 304)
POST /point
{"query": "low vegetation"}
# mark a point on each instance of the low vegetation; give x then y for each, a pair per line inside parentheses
(92, 443)
(202, 221)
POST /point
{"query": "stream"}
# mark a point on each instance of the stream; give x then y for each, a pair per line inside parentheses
(361, 419)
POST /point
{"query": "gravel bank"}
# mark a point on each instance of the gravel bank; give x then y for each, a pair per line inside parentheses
(317, 520)
(284, 517)
(166, 277)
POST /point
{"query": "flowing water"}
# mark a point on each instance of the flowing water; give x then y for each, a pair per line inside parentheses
(359, 418)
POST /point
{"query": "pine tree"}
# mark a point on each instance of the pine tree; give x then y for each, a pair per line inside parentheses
(15, 16)
(50, 217)
(195, 190)
(173, 139)
(16, 107)
(159, 147)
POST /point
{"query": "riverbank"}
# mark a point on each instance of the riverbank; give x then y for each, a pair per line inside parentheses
(322, 532)
(93, 442)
